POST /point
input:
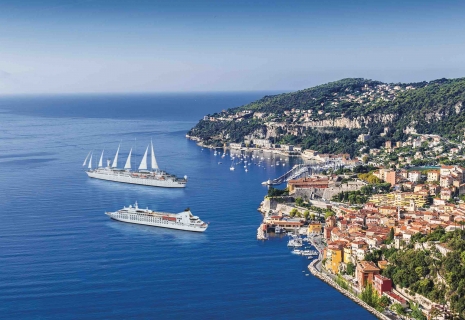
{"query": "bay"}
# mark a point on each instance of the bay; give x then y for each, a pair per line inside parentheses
(62, 258)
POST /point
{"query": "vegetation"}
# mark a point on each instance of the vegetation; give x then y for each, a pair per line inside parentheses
(432, 107)
(362, 195)
(370, 296)
(350, 269)
(429, 273)
(294, 212)
(273, 192)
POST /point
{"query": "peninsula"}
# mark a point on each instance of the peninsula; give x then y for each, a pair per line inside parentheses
(388, 214)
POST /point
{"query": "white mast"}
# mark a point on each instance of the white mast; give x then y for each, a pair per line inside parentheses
(154, 161)
(143, 163)
(85, 161)
(90, 162)
(100, 163)
(115, 160)
(128, 161)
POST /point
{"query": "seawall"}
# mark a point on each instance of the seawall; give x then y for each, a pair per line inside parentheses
(350, 295)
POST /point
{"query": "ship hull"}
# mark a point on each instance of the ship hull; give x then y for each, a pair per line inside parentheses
(153, 222)
(133, 180)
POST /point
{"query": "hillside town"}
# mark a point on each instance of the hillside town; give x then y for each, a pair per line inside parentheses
(383, 200)
(357, 234)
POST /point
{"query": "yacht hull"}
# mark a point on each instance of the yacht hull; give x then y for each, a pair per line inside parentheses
(125, 178)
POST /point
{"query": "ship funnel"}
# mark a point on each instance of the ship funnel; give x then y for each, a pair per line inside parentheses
(108, 163)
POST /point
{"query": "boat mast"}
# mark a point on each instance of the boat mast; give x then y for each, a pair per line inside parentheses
(135, 164)
(154, 161)
(128, 161)
(100, 163)
(90, 161)
(85, 161)
(115, 160)
(143, 163)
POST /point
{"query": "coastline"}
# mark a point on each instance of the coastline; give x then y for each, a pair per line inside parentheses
(312, 266)
(320, 275)
(251, 149)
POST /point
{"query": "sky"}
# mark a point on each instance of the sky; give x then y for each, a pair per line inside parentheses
(132, 46)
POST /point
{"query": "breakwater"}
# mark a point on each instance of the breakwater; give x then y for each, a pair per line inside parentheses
(350, 295)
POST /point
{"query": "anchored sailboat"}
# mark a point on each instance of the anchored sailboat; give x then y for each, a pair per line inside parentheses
(154, 177)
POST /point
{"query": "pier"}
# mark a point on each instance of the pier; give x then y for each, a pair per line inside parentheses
(300, 170)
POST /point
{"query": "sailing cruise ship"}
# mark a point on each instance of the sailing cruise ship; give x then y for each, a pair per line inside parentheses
(181, 221)
(154, 177)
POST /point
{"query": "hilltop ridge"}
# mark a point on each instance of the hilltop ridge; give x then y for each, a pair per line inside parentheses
(330, 117)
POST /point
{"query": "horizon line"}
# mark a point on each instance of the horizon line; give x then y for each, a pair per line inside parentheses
(142, 92)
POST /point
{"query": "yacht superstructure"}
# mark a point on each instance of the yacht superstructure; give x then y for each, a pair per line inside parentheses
(181, 221)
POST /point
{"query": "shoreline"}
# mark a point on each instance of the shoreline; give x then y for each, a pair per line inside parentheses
(311, 267)
(348, 294)
(251, 149)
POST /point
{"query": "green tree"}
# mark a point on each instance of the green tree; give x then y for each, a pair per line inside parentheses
(369, 296)
(397, 307)
(391, 235)
(416, 313)
(293, 212)
(384, 301)
(350, 268)
(299, 202)
(306, 214)
(328, 214)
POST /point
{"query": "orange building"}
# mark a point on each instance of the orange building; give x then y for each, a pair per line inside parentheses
(314, 227)
(306, 183)
(366, 270)
(391, 177)
(334, 256)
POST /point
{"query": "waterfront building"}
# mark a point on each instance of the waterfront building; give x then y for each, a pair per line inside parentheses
(334, 256)
(236, 145)
(263, 143)
(321, 182)
(286, 147)
(314, 228)
(395, 298)
(382, 284)
(310, 153)
(366, 270)
(288, 224)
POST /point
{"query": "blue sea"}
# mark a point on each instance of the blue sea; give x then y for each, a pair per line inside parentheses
(62, 258)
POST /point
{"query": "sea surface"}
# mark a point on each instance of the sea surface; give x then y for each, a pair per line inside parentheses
(62, 258)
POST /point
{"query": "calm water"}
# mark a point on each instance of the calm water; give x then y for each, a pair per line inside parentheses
(62, 258)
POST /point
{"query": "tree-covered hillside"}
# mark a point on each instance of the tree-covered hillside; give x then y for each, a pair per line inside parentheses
(329, 117)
